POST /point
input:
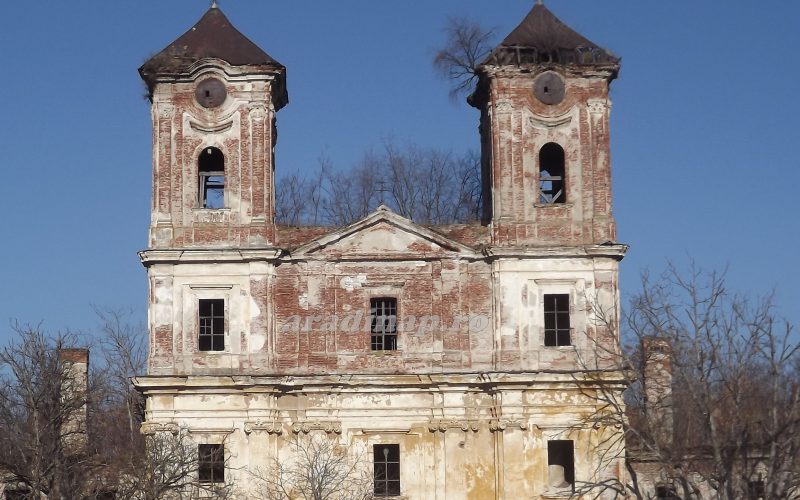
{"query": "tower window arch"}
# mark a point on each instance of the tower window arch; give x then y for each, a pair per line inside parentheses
(211, 168)
(552, 174)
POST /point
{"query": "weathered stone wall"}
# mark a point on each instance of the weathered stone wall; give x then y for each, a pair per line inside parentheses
(308, 312)
(243, 129)
(471, 436)
(514, 127)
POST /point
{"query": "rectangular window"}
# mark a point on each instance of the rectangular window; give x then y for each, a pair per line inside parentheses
(211, 463)
(556, 320)
(756, 489)
(383, 316)
(386, 469)
(212, 325)
(561, 463)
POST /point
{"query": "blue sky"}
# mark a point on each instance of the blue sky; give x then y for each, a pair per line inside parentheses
(704, 128)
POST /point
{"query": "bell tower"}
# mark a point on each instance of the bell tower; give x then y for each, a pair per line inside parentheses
(214, 95)
(543, 94)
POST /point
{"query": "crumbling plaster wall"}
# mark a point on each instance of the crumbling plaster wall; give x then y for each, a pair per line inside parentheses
(242, 128)
(514, 127)
(470, 436)
(296, 317)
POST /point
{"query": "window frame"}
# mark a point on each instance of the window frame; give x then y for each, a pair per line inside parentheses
(211, 464)
(568, 463)
(212, 322)
(389, 485)
(379, 336)
(557, 334)
(207, 182)
(558, 183)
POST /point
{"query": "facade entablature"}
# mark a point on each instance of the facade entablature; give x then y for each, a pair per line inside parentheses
(199, 256)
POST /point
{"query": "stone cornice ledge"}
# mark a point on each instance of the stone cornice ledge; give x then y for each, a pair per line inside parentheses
(314, 383)
(611, 250)
(184, 255)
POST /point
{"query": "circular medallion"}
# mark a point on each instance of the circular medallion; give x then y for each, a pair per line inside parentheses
(549, 88)
(210, 93)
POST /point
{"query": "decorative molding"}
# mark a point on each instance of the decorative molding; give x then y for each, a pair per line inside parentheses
(503, 107)
(166, 111)
(541, 122)
(387, 284)
(306, 426)
(445, 425)
(501, 424)
(211, 216)
(210, 286)
(150, 428)
(211, 129)
(273, 427)
(598, 106)
(258, 112)
(209, 430)
(556, 281)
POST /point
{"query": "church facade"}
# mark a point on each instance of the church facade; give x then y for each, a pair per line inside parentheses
(453, 362)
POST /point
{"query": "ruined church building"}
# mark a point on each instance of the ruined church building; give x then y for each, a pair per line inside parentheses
(457, 361)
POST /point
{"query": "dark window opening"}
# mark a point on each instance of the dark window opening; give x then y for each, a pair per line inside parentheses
(212, 325)
(18, 493)
(552, 174)
(666, 491)
(556, 320)
(211, 167)
(211, 463)
(383, 316)
(386, 469)
(756, 490)
(561, 463)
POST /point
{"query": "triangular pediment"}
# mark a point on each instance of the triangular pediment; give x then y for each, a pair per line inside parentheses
(383, 234)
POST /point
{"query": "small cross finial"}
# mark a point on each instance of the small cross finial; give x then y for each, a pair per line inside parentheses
(213, 4)
(382, 190)
(539, 2)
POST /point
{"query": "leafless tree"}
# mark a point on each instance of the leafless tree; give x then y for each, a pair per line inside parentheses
(466, 46)
(168, 470)
(124, 348)
(428, 186)
(319, 469)
(40, 445)
(713, 405)
(298, 200)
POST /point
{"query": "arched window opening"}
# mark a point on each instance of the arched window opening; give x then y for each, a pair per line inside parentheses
(211, 166)
(552, 174)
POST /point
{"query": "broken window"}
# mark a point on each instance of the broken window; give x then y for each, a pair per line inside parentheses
(756, 490)
(383, 316)
(211, 463)
(386, 469)
(561, 463)
(212, 325)
(211, 167)
(556, 320)
(666, 491)
(552, 174)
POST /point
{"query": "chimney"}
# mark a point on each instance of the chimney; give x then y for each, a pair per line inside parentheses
(657, 380)
(74, 395)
